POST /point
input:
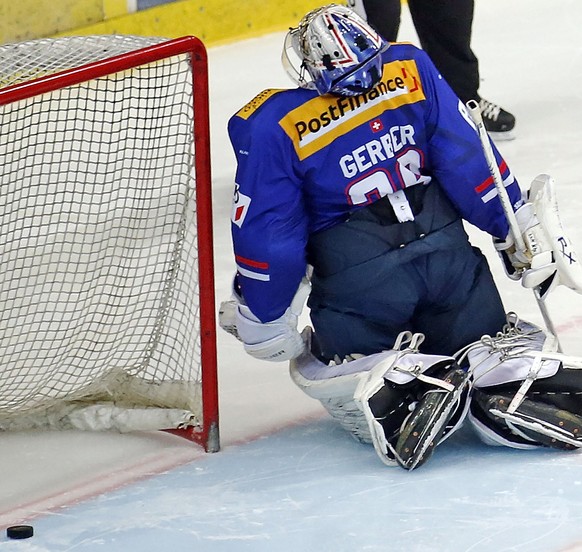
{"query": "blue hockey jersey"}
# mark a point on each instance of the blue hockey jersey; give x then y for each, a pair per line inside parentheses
(305, 162)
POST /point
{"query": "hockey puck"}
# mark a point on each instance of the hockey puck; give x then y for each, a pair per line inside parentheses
(19, 532)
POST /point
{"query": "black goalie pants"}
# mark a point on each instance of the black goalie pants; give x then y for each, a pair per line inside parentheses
(438, 285)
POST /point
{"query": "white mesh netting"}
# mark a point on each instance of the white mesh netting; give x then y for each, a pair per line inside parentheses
(98, 288)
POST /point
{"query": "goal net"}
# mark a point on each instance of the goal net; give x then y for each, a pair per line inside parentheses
(106, 287)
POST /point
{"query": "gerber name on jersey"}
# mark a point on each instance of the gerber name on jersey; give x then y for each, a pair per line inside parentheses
(316, 123)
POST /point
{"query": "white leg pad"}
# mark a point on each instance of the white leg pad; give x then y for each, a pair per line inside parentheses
(511, 416)
(345, 390)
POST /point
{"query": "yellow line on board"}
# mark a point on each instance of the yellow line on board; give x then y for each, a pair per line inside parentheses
(213, 21)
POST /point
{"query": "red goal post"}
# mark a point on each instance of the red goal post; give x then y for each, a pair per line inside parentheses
(107, 287)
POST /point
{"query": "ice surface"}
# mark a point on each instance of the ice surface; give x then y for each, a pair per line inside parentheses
(288, 478)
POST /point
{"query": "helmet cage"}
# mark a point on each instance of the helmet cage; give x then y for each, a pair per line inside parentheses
(334, 50)
(359, 80)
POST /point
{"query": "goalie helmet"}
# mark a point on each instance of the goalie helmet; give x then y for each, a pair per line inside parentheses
(334, 50)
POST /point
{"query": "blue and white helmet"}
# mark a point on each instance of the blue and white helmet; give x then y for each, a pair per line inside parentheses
(335, 51)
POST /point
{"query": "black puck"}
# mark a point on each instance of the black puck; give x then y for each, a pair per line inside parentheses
(19, 532)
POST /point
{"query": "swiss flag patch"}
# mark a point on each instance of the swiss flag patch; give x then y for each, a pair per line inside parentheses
(376, 125)
(240, 206)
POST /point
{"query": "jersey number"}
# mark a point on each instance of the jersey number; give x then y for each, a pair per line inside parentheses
(380, 183)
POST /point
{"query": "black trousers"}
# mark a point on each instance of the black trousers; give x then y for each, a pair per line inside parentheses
(444, 30)
(438, 285)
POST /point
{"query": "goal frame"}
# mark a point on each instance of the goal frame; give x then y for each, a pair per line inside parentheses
(208, 434)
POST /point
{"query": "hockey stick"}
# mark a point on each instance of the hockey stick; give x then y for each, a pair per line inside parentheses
(475, 113)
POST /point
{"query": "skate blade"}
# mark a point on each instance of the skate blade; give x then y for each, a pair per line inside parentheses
(428, 423)
(506, 136)
(542, 423)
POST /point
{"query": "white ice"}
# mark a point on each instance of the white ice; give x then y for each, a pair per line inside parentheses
(288, 478)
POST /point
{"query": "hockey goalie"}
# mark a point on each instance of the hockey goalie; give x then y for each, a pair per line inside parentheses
(362, 177)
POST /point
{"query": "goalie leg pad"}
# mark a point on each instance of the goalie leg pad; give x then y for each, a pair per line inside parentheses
(437, 415)
(378, 397)
(526, 394)
(334, 386)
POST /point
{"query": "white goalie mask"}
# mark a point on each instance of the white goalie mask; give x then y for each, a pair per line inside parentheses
(334, 50)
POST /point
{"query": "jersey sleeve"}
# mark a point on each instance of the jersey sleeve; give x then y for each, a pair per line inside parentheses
(268, 221)
(458, 160)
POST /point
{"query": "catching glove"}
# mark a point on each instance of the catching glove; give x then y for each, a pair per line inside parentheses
(549, 259)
